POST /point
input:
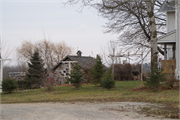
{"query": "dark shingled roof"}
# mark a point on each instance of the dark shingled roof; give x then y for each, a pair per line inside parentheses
(83, 61)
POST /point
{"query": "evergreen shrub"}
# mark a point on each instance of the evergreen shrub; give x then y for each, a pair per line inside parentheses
(9, 85)
(107, 80)
(23, 84)
(154, 79)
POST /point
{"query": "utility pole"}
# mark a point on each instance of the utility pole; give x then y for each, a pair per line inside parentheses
(128, 57)
(113, 61)
(2, 71)
(113, 46)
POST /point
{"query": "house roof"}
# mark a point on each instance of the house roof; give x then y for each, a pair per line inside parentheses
(83, 61)
(169, 37)
(167, 6)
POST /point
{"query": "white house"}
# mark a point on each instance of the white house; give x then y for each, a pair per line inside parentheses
(171, 39)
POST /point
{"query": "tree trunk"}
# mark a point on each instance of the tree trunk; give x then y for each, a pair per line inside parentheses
(153, 33)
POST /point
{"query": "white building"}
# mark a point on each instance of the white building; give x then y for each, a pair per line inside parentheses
(171, 39)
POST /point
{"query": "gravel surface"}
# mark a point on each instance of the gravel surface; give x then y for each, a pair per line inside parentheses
(76, 111)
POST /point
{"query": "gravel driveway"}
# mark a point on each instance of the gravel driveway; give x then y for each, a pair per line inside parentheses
(75, 111)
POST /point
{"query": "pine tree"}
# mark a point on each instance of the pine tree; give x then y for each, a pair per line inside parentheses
(154, 79)
(36, 70)
(76, 76)
(97, 71)
(108, 80)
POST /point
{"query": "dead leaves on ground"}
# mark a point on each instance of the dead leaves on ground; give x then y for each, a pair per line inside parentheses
(144, 89)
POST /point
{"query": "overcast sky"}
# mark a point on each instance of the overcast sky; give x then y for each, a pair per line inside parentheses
(27, 19)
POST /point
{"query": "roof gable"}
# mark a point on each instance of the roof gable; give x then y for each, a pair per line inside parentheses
(84, 62)
(170, 37)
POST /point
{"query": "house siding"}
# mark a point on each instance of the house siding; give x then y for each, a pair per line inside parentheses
(170, 21)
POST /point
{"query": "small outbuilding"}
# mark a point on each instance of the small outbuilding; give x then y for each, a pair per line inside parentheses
(63, 68)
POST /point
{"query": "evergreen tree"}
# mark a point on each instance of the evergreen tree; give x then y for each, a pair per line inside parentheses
(97, 71)
(154, 79)
(108, 80)
(36, 70)
(76, 76)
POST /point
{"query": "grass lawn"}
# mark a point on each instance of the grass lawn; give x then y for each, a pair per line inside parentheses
(90, 93)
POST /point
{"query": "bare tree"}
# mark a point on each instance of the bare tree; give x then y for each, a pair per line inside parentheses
(132, 20)
(61, 50)
(4, 54)
(4, 50)
(25, 51)
(51, 53)
(110, 51)
(46, 51)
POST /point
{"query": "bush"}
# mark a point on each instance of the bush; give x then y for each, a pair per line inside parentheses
(24, 84)
(9, 85)
(107, 80)
(154, 79)
(123, 72)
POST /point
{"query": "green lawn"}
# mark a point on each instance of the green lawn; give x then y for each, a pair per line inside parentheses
(90, 93)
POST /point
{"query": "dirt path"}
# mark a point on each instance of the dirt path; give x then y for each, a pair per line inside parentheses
(75, 111)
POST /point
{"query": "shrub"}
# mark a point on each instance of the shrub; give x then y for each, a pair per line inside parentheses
(124, 71)
(154, 79)
(24, 84)
(9, 85)
(107, 80)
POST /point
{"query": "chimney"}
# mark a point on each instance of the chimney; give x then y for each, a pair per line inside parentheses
(79, 53)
